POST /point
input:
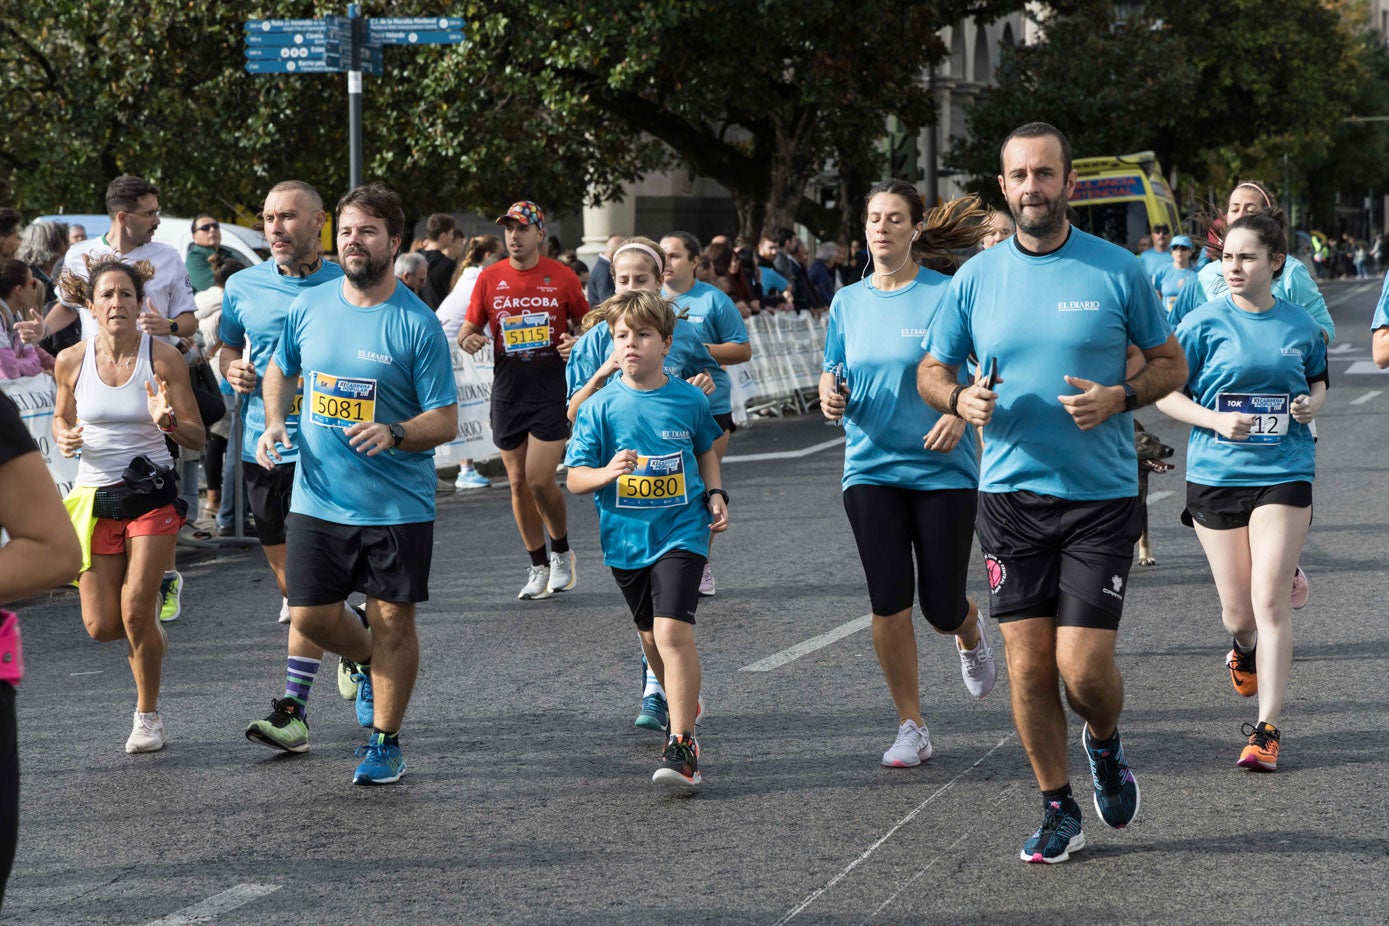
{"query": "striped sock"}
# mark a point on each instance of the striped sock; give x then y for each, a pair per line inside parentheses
(299, 678)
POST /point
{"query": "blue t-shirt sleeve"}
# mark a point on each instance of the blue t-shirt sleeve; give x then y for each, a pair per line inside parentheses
(231, 331)
(1189, 338)
(583, 363)
(1193, 294)
(1302, 290)
(1381, 316)
(834, 336)
(287, 350)
(698, 361)
(1316, 358)
(434, 383)
(728, 327)
(1147, 322)
(708, 429)
(949, 340)
(586, 441)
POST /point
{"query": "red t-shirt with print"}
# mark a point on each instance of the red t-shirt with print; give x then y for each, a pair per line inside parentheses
(528, 310)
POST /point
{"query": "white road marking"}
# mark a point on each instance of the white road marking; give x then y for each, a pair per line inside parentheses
(1340, 349)
(1159, 496)
(1366, 397)
(216, 905)
(809, 646)
(783, 454)
(95, 672)
(1365, 367)
(844, 872)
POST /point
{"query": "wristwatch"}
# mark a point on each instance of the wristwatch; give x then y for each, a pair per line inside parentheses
(712, 492)
(1130, 397)
(397, 433)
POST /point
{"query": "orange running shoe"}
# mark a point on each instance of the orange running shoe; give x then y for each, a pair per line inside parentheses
(1261, 754)
(1243, 672)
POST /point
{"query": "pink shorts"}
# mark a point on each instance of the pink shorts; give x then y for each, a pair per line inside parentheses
(110, 534)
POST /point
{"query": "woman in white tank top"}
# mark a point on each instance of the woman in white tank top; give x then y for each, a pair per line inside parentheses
(119, 394)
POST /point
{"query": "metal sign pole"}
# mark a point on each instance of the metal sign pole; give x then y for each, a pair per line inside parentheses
(354, 98)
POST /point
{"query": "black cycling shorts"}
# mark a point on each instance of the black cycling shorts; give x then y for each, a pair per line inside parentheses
(668, 587)
(891, 524)
(268, 493)
(1054, 557)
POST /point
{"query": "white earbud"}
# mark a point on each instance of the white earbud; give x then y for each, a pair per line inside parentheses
(916, 235)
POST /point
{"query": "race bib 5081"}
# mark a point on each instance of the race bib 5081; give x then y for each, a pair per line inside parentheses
(341, 401)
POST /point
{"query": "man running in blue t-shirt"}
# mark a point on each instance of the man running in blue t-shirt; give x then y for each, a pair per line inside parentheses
(1052, 311)
(378, 397)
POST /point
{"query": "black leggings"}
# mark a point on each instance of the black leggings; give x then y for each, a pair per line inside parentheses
(214, 456)
(9, 785)
(892, 523)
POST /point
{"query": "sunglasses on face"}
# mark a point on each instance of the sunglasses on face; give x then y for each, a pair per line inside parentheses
(208, 226)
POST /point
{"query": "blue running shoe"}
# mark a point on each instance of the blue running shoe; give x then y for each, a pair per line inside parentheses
(366, 706)
(382, 763)
(1116, 790)
(1057, 837)
(654, 713)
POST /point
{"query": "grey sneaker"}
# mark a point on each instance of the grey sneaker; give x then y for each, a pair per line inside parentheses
(911, 748)
(563, 572)
(537, 584)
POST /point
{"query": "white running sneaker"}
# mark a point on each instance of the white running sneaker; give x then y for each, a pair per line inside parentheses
(284, 610)
(537, 584)
(563, 573)
(912, 747)
(147, 733)
(706, 582)
(978, 666)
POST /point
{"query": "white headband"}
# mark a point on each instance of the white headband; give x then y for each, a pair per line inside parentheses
(637, 246)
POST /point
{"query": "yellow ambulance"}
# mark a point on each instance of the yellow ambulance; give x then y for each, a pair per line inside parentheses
(1121, 198)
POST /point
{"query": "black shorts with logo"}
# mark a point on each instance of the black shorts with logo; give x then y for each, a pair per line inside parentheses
(1053, 557)
(268, 493)
(327, 562)
(513, 421)
(668, 587)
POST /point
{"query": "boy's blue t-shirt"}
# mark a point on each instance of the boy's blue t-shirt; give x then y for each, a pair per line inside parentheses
(877, 336)
(1171, 281)
(254, 306)
(1071, 312)
(717, 320)
(386, 363)
(1259, 362)
(659, 507)
(688, 357)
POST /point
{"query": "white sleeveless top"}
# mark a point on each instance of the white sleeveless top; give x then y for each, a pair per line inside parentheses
(116, 420)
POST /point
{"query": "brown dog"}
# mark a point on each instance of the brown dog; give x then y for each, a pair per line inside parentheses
(1151, 454)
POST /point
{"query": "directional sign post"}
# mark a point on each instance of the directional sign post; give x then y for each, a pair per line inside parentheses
(335, 44)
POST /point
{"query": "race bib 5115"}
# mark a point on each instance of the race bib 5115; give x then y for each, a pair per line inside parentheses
(341, 401)
(530, 331)
(1270, 412)
(657, 482)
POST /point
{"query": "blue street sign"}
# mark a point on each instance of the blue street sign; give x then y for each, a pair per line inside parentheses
(392, 37)
(285, 52)
(282, 25)
(340, 57)
(415, 23)
(304, 66)
(302, 37)
(339, 28)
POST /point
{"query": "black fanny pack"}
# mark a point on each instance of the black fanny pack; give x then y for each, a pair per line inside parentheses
(144, 487)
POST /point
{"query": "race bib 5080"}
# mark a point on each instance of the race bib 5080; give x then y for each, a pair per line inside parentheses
(341, 401)
(657, 482)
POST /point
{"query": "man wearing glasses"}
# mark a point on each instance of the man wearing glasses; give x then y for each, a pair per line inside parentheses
(207, 241)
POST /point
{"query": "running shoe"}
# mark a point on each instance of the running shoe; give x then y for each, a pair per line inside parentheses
(284, 610)
(146, 734)
(347, 678)
(537, 584)
(469, 478)
(1261, 755)
(1301, 589)
(366, 703)
(1244, 673)
(1058, 836)
(911, 748)
(679, 768)
(655, 714)
(706, 582)
(170, 594)
(1116, 790)
(563, 572)
(978, 666)
(285, 728)
(382, 762)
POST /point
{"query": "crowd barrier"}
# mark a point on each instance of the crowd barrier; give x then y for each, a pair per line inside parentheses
(783, 376)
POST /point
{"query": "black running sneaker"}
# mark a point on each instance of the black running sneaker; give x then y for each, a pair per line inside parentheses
(1058, 836)
(1116, 790)
(679, 766)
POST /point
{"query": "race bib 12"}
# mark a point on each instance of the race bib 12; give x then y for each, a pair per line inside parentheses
(1270, 413)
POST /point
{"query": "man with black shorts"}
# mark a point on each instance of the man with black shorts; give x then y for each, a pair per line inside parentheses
(530, 301)
(1052, 311)
(378, 397)
(253, 317)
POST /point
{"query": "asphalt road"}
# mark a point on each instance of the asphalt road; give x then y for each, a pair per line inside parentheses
(528, 797)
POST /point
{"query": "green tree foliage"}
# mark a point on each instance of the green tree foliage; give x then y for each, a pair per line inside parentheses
(1217, 90)
(1357, 157)
(559, 100)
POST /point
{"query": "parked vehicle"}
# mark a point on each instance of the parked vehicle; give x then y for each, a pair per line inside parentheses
(1120, 198)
